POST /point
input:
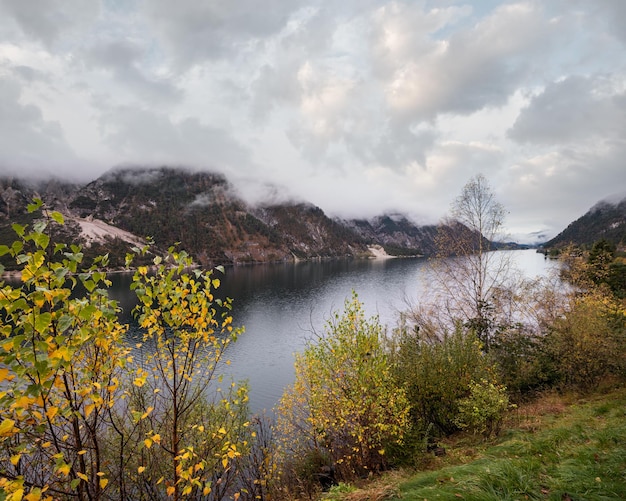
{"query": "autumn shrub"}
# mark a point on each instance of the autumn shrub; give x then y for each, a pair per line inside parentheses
(588, 342)
(437, 374)
(580, 345)
(483, 410)
(86, 415)
(62, 360)
(344, 404)
(182, 429)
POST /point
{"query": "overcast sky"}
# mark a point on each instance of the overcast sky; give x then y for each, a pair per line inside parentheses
(358, 106)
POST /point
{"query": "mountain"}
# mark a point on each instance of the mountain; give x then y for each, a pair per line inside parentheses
(203, 212)
(396, 234)
(605, 220)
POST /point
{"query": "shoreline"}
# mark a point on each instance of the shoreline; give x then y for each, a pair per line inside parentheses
(375, 252)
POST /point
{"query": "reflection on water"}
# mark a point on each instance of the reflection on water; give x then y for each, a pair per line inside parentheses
(281, 305)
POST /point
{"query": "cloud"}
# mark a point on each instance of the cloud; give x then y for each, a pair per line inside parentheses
(552, 189)
(573, 110)
(575, 125)
(193, 32)
(321, 77)
(28, 74)
(426, 75)
(381, 106)
(613, 13)
(48, 20)
(136, 177)
(147, 137)
(123, 59)
(31, 145)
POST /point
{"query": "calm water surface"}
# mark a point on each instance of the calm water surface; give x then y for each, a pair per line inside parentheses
(281, 305)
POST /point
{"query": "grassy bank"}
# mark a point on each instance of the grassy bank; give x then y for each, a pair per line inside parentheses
(557, 448)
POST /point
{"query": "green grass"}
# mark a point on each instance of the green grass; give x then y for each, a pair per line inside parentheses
(576, 454)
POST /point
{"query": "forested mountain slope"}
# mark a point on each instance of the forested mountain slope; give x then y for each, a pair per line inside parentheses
(606, 220)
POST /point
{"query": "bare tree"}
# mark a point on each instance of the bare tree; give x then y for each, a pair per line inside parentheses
(471, 279)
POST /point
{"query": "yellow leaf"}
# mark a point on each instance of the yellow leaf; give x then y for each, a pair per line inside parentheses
(64, 469)
(148, 442)
(224, 462)
(80, 453)
(82, 476)
(61, 353)
(206, 491)
(51, 412)
(7, 428)
(23, 402)
(15, 459)
(89, 409)
(34, 495)
(103, 483)
(4, 375)
(222, 430)
(170, 490)
(141, 469)
(156, 438)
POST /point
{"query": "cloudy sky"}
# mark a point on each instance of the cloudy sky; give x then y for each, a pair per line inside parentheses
(358, 106)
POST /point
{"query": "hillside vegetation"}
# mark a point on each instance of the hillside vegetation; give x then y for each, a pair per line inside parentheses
(604, 221)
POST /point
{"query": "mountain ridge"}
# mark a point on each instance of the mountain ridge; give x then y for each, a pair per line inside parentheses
(605, 220)
(203, 212)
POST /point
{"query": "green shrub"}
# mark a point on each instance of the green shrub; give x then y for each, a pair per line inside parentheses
(484, 409)
(338, 492)
(437, 374)
(523, 363)
(344, 401)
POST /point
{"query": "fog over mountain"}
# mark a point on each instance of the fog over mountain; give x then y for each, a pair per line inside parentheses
(360, 107)
(205, 215)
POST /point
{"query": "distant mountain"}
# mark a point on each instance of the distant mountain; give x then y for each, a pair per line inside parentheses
(203, 212)
(396, 234)
(605, 220)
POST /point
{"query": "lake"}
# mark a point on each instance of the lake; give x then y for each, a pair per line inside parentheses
(282, 305)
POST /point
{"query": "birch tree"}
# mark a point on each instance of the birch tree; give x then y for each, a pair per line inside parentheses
(470, 278)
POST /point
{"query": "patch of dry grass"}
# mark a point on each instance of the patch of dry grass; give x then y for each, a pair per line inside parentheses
(379, 489)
